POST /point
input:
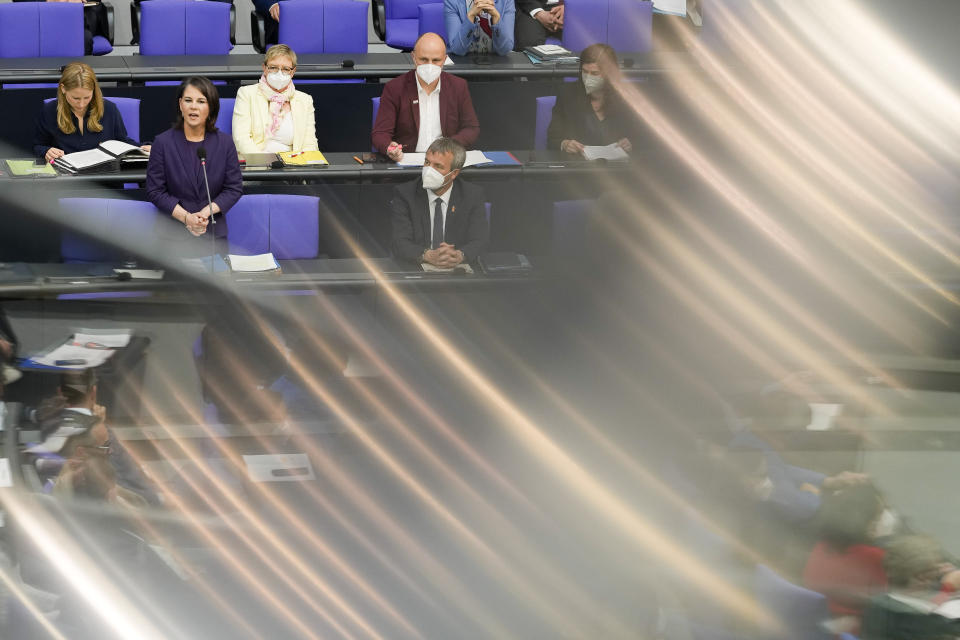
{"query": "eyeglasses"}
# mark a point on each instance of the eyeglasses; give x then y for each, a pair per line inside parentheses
(274, 68)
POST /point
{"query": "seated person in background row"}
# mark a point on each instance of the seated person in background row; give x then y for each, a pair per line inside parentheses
(74, 427)
(536, 21)
(437, 219)
(272, 115)
(8, 352)
(479, 26)
(910, 611)
(270, 11)
(591, 110)
(175, 183)
(80, 119)
(423, 105)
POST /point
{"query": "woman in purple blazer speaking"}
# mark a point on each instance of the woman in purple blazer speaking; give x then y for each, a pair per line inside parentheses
(175, 183)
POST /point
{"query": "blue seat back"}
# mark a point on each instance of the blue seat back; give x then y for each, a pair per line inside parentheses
(38, 29)
(626, 25)
(286, 225)
(544, 116)
(403, 21)
(184, 27)
(430, 19)
(345, 26)
(122, 222)
(225, 116)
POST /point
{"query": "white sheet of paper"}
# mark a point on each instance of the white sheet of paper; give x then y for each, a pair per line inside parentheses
(142, 274)
(112, 339)
(261, 262)
(417, 159)
(90, 357)
(84, 159)
(118, 147)
(429, 267)
(286, 467)
(823, 415)
(475, 157)
(673, 7)
(447, 62)
(6, 480)
(609, 152)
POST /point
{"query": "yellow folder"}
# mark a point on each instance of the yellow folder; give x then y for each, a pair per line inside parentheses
(300, 158)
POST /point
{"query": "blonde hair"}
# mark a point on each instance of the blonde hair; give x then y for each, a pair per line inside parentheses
(278, 50)
(78, 75)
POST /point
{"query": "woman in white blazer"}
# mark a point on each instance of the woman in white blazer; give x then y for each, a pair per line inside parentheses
(272, 115)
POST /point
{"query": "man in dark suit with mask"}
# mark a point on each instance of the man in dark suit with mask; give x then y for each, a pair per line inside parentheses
(438, 219)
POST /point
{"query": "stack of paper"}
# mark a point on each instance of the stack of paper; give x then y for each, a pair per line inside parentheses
(609, 152)
(251, 264)
(417, 159)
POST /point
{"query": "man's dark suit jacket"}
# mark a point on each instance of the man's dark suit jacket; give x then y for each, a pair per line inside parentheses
(399, 115)
(466, 227)
(174, 175)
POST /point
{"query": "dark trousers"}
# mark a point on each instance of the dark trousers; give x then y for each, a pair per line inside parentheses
(528, 32)
(94, 24)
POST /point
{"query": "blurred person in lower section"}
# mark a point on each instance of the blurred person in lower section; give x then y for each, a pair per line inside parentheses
(846, 565)
(8, 352)
(912, 610)
(437, 219)
(74, 428)
(175, 177)
(592, 110)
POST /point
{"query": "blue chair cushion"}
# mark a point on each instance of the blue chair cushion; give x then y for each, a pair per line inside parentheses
(101, 46)
(402, 32)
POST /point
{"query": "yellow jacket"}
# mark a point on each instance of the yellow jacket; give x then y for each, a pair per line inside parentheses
(251, 113)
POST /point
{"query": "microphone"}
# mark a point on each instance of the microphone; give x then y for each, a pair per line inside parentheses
(347, 64)
(202, 154)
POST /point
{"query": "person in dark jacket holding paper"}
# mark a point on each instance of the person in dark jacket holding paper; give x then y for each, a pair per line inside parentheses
(79, 119)
(591, 110)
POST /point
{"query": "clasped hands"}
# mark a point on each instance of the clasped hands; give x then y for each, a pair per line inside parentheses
(446, 256)
(551, 19)
(196, 223)
(483, 6)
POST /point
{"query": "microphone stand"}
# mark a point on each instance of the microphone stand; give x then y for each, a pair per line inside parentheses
(202, 154)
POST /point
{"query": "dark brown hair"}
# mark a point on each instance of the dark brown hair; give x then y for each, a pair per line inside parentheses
(204, 86)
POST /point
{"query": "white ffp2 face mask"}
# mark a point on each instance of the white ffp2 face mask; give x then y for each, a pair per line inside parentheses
(428, 72)
(278, 80)
(593, 83)
(433, 179)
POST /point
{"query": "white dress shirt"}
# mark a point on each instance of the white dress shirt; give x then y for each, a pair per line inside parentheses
(429, 116)
(431, 205)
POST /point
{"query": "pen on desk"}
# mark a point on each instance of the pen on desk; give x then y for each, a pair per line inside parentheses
(359, 161)
(294, 155)
(69, 363)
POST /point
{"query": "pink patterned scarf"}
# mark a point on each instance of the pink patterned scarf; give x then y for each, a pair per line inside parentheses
(279, 102)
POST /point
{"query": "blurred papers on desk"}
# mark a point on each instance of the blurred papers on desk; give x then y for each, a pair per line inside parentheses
(142, 274)
(671, 7)
(426, 266)
(101, 339)
(85, 358)
(609, 152)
